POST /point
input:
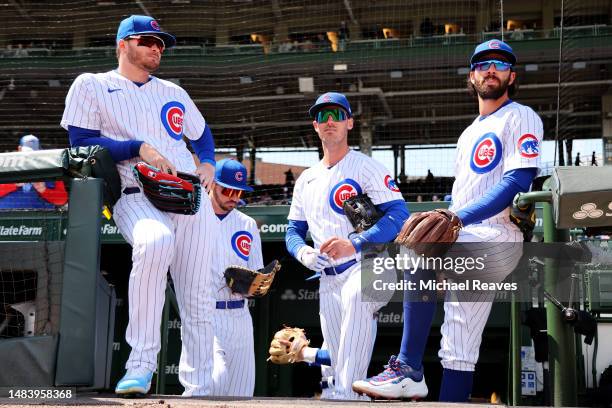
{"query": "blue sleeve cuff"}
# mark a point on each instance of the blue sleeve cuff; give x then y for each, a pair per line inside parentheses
(395, 213)
(135, 147)
(204, 147)
(295, 237)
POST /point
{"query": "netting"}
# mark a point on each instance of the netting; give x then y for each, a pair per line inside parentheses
(254, 67)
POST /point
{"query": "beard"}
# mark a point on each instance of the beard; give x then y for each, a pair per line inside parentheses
(143, 62)
(493, 92)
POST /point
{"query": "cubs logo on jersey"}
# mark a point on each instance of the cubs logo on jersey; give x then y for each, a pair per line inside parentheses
(241, 244)
(341, 192)
(528, 146)
(486, 154)
(172, 116)
(391, 184)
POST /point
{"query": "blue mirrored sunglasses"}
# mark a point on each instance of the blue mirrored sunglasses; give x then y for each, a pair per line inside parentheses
(337, 115)
(485, 65)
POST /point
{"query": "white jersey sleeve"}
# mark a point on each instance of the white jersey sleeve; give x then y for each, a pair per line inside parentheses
(194, 121)
(256, 257)
(523, 140)
(296, 211)
(378, 183)
(81, 105)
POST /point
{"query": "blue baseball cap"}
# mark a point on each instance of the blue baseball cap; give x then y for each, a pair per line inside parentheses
(30, 142)
(491, 46)
(231, 173)
(330, 99)
(142, 25)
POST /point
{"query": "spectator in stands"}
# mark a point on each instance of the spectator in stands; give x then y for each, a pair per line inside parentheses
(419, 199)
(593, 160)
(448, 198)
(577, 162)
(426, 28)
(289, 178)
(430, 176)
(322, 42)
(343, 36)
(20, 51)
(435, 198)
(517, 34)
(37, 195)
(285, 46)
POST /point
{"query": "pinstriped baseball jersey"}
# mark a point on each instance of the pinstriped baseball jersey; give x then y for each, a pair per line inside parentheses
(238, 243)
(507, 139)
(320, 191)
(158, 113)
(347, 321)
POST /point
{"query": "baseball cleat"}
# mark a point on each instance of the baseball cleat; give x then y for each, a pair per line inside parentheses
(397, 381)
(135, 383)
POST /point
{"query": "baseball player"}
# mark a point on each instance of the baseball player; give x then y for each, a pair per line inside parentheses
(139, 117)
(497, 156)
(347, 322)
(238, 243)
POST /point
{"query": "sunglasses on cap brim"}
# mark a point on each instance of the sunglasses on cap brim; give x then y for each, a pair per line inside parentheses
(232, 192)
(485, 65)
(337, 115)
(148, 41)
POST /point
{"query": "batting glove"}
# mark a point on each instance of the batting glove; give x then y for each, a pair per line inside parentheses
(313, 259)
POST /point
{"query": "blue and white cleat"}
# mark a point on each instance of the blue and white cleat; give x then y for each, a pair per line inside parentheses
(135, 383)
(397, 381)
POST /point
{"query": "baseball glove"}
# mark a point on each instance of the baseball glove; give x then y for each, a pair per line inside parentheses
(287, 344)
(251, 283)
(524, 218)
(179, 194)
(361, 212)
(430, 233)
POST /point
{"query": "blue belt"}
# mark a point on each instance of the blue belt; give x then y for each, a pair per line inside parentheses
(131, 190)
(230, 304)
(338, 269)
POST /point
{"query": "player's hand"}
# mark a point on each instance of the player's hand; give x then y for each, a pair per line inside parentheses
(299, 357)
(337, 248)
(39, 186)
(151, 156)
(206, 172)
(313, 259)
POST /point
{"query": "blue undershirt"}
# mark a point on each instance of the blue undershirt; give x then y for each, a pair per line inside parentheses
(499, 196)
(386, 229)
(125, 150)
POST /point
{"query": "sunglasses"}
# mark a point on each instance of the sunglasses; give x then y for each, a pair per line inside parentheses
(485, 65)
(148, 41)
(232, 193)
(336, 114)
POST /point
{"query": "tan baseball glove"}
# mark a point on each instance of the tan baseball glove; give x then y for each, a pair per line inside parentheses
(430, 233)
(287, 344)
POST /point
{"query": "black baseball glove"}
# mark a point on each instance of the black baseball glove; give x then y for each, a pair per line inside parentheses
(249, 282)
(361, 212)
(179, 194)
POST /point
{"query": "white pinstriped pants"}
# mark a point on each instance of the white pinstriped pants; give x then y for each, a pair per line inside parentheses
(349, 330)
(464, 320)
(234, 351)
(180, 243)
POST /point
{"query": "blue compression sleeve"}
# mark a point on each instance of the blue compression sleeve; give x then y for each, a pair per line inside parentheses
(119, 150)
(205, 146)
(322, 358)
(386, 229)
(295, 237)
(499, 196)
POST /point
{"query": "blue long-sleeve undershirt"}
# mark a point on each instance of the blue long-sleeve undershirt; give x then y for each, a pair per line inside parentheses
(124, 150)
(499, 196)
(295, 237)
(386, 229)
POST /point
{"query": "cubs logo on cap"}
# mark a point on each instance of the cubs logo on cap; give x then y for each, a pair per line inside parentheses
(486, 154)
(172, 116)
(391, 184)
(490, 46)
(142, 25)
(331, 99)
(528, 146)
(341, 192)
(241, 244)
(231, 173)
